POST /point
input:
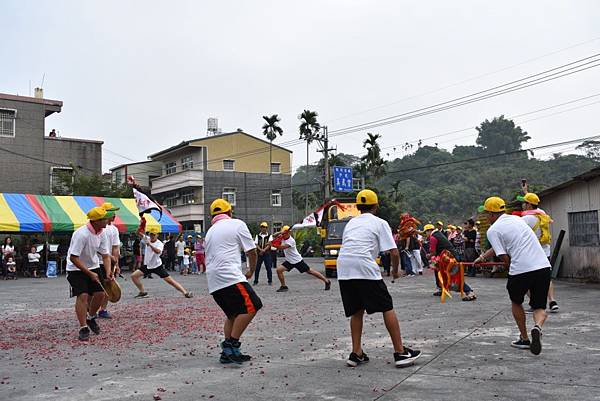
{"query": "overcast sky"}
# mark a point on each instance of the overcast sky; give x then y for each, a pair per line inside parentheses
(145, 75)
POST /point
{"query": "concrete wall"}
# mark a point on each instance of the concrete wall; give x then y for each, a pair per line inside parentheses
(253, 195)
(578, 262)
(22, 174)
(86, 155)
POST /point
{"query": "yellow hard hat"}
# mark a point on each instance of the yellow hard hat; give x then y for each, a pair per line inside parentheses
(367, 197)
(153, 230)
(98, 213)
(440, 223)
(109, 207)
(264, 224)
(428, 227)
(219, 206)
(494, 204)
(285, 228)
(529, 197)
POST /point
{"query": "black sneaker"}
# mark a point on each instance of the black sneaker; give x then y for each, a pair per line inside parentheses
(283, 288)
(553, 306)
(84, 334)
(521, 344)
(328, 285)
(407, 358)
(354, 359)
(536, 340)
(93, 325)
(229, 355)
(142, 295)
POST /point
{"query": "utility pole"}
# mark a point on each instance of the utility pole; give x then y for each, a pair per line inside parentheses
(325, 150)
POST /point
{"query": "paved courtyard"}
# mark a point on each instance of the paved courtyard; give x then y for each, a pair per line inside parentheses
(166, 347)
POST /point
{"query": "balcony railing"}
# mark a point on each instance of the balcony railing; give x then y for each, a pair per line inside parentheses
(178, 180)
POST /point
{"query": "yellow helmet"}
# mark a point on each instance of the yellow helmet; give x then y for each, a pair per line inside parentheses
(153, 230)
(285, 228)
(264, 224)
(219, 206)
(367, 197)
(428, 227)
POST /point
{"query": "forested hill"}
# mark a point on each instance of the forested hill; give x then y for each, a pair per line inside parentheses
(436, 184)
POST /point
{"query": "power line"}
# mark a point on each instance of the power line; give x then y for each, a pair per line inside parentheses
(467, 80)
(481, 95)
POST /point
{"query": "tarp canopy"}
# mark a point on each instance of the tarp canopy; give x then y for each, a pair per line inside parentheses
(44, 213)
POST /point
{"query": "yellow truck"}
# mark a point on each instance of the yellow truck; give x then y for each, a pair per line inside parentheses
(332, 227)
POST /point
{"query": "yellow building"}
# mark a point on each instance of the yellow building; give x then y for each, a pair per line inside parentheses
(253, 175)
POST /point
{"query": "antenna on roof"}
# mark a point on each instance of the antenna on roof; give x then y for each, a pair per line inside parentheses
(43, 78)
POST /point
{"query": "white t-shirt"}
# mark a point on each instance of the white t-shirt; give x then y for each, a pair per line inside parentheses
(33, 257)
(152, 259)
(186, 260)
(223, 242)
(364, 237)
(291, 254)
(531, 221)
(510, 235)
(112, 237)
(87, 246)
(180, 246)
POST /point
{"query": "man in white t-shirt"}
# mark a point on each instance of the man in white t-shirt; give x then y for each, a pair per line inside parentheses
(513, 241)
(226, 282)
(535, 218)
(153, 264)
(83, 269)
(293, 260)
(360, 281)
(112, 236)
(180, 249)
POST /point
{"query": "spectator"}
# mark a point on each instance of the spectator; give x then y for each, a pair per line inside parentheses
(406, 265)
(180, 249)
(459, 243)
(34, 261)
(171, 253)
(185, 269)
(11, 269)
(470, 236)
(8, 249)
(414, 253)
(200, 255)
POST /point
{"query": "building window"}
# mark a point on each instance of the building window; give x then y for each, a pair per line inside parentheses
(356, 184)
(276, 197)
(229, 195)
(275, 168)
(61, 180)
(171, 201)
(584, 229)
(228, 165)
(187, 197)
(277, 226)
(170, 168)
(7, 122)
(118, 177)
(187, 163)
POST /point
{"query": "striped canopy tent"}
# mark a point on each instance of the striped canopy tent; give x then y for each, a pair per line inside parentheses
(44, 213)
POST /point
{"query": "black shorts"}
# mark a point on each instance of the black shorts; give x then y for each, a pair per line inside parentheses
(81, 283)
(160, 271)
(370, 295)
(537, 282)
(237, 299)
(301, 266)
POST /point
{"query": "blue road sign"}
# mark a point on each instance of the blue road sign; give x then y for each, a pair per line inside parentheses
(342, 179)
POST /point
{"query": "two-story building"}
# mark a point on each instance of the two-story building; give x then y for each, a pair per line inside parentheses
(32, 162)
(252, 175)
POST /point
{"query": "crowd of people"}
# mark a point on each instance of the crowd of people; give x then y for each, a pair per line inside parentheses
(519, 243)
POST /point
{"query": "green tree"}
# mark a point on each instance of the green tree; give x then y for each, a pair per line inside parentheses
(77, 183)
(309, 131)
(271, 129)
(373, 164)
(500, 136)
(591, 148)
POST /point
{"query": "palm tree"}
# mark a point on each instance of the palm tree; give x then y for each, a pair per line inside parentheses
(270, 130)
(374, 163)
(309, 131)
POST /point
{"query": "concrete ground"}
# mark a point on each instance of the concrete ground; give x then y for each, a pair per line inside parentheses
(166, 347)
